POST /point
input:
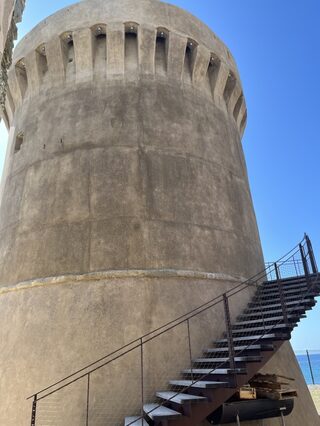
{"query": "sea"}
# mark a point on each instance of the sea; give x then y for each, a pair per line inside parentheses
(315, 365)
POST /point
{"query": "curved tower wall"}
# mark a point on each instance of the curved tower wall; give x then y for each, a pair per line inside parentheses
(125, 199)
(127, 152)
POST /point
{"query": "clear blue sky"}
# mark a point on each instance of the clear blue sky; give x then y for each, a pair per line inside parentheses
(276, 46)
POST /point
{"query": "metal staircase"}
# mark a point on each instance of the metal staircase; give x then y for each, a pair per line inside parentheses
(282, 294)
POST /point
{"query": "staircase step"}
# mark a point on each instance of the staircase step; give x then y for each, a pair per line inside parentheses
(226, 360)
(159, 412)
(272, 336)
(135, 421)
(264, 329)
(297, 312)
(287, 288)
(180, 398)
(287, 296)
(291, 280)
(254, 347)
(268, 319)
(271, 287)
(200, 384)
(214, 372)
(269, 301)
(255, 306)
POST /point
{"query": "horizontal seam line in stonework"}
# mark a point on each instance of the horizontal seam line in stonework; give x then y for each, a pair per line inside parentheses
(96, 220)
(135, 148)
(117, 274)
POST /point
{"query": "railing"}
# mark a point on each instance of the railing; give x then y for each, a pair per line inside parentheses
(151, 360)
(309, 361)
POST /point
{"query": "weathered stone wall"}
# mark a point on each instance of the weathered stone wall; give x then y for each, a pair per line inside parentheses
(127, 151)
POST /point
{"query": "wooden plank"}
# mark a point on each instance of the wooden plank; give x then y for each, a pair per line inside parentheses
(247, 392)
(276, 394)
(274, 378)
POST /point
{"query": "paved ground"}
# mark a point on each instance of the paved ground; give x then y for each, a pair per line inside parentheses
(315, 392)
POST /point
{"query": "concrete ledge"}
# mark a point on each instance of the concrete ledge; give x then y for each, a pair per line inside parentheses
(119, 274)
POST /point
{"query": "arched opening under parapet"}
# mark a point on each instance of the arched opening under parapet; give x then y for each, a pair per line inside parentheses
(212, 73)
(99, 38)
(22, 77)
(189, 60)
(161, 54)
(68, 52)
(237, 107)
(230, 85)
(18, 142)
(42, 62)
(131, 47)
(243, 122)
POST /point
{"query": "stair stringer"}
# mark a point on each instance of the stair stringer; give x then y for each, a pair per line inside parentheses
(285, 363)
(219, 396)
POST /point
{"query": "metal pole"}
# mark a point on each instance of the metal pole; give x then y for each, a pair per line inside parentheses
(310, 366)
(190, 350)
(238, 420)
(282, 419)
(142, 378)
(304, 260)
(295, 267)
(34, 410)
(305, 265)
(311, 254)
(229, 337)
(88, 400)
(282, 297)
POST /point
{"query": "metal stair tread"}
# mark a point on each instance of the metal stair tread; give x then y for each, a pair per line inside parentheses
(287, 288)
(288, 299)
(180, 398)
(216, 371)
(225, 360)
(160, 412)
(287, 296)
(135, 421)
(268, 319)
(255, 305)
(257, 337)
(273, 312)
(294, 279)
(257, 347)
(254, 329)
(200, 384)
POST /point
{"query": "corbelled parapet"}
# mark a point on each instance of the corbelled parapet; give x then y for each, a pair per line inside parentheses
(10, 14)
(63, 52)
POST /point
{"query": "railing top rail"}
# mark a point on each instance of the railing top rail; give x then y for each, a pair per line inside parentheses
(88, 369)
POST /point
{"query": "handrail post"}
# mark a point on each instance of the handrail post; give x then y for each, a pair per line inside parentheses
(34, 410)
(310, 367)
(229, 337)
(88, 400)
(142, 377)
(311, 254)
(190, 348)
(281, 293)
(305, 265)
(304, 261)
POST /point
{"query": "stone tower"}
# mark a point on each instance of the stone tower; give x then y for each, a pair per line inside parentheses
(125, 200)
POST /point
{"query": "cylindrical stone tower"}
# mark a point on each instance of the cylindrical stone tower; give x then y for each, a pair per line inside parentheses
(125, 200)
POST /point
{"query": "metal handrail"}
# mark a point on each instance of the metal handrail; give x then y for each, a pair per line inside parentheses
(186, 316)
(139, 342)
